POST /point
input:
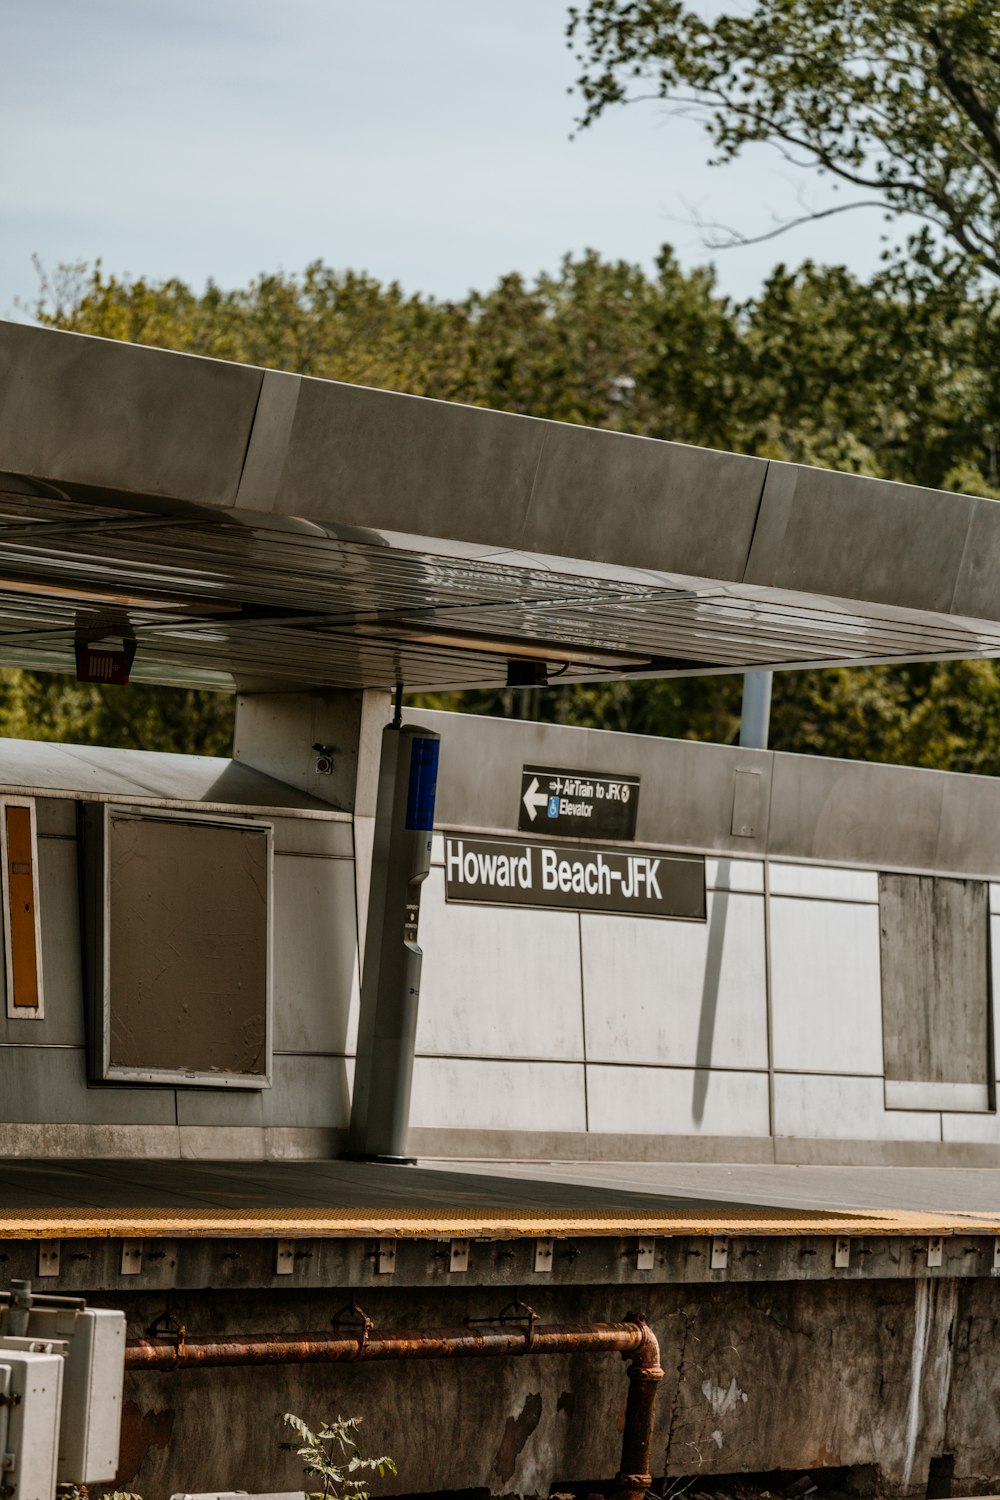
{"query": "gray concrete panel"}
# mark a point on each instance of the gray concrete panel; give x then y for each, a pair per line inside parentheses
(644, 503)
(220, 1109)
(260, 481)
(686, 798)
(498, 981)
(49, 1085)
(55, 817)
(118, 416)
(377, 459)
(685, 1101)
(969, 817)
(314, 838)
(978, 585)
(822, 882)
(828, 1107)
(499, 1094)
(826, 1001)
(850, 537)
(678, 993)
(308, 1091)
(851, 812)
(96, 771)
(315, 953)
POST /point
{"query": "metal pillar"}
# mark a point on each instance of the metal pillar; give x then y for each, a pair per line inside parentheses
(390, 990)
(755, 717)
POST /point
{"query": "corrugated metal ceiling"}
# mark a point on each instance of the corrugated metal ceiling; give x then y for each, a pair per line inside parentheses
(214, 600)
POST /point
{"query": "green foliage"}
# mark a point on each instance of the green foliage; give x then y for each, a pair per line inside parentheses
(899, 99)
(43, 706)
(331, 1455)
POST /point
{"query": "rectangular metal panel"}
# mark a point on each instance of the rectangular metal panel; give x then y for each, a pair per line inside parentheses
(22, 929)
(972, 1098)
(817, 1106)
(484, 970)
(695, 993)
(748, 798)
(915, 538)
(496, 872)
(935, 980)
(179, 917)
(823, 882)
(182, 424)
(734, 875)
(854, 813)
(825, 1004)
(315, 952)
(472, 1094)
(676, 1101)
(48, 1086)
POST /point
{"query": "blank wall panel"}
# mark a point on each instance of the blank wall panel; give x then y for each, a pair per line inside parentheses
(498, 981)
(826, 1001)
(851, 1109)
(676, 1101)
(315, 953)
(469, 1094)
(179, 913)
(680, 993)
(48, 1086)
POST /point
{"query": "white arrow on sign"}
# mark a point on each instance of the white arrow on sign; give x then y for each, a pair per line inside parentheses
(533, 798)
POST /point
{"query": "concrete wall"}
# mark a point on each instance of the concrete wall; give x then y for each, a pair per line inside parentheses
(806, 1375)
(755, 1035)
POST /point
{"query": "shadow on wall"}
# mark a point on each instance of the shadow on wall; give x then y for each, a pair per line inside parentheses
(710, 990)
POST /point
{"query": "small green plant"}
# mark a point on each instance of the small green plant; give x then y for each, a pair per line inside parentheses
(332, 1456)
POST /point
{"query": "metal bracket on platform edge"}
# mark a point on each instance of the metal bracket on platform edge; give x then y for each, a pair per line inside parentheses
(720, 1253)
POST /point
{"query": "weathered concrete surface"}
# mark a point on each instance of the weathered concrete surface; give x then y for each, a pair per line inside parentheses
(797, 1375)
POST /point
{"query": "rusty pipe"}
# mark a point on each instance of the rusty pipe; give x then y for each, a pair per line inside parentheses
(404, 1343)
(644, 1375)
(633, 1339)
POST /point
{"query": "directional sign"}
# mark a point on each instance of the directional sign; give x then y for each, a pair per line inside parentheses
(495, 872)
(577, 804)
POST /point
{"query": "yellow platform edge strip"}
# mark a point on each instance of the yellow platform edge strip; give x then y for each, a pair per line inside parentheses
(363, 1223)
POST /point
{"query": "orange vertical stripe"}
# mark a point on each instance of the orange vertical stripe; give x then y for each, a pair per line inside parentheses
(21, 890)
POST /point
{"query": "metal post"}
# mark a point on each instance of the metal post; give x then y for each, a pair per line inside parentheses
(20, 1307)
(755, 717)
(390, 991)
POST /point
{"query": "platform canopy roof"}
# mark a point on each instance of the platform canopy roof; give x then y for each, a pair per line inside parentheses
(261, 529)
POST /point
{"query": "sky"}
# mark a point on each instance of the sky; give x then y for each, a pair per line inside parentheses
(423, 141)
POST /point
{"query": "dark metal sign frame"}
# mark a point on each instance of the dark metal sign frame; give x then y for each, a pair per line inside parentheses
(528, 873)
(560, 803)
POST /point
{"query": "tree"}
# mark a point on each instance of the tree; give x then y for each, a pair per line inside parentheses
(898, 99)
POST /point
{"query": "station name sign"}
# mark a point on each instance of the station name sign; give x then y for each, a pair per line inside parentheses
(577, 804)
(499, 872)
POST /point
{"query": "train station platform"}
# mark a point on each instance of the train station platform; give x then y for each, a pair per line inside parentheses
(50, 1199)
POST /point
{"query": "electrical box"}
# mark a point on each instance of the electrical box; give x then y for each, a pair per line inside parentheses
(31, 1378)
(90, 1430)
(90, 1343)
